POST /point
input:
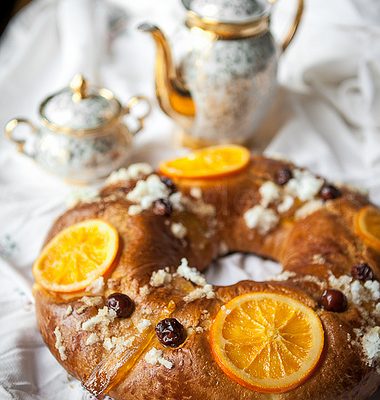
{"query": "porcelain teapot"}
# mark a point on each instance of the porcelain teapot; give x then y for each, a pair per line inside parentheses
(222, 85)
(82, 135)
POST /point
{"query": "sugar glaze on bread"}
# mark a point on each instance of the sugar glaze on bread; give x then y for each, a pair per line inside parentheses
(313, 238)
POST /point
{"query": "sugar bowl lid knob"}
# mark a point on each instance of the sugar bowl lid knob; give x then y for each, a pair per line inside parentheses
(80, 106)
(78, 85)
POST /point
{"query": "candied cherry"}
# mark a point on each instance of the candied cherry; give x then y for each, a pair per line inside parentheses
(333, 300)
(122, 304)
(170, 332)
(362, 272)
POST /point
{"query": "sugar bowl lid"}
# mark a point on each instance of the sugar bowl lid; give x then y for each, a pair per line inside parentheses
(229, 11)
(79, 107)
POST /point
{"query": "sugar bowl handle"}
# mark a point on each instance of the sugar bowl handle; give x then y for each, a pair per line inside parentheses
(293, 29)
(138, 108)
(10, 130)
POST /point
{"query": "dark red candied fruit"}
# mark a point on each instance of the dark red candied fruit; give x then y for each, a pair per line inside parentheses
(170, 332)
(362, 272)
(122, 304)
(162, 207)
(329, 192)
(333, 300)
(169, 184)
(283, 176)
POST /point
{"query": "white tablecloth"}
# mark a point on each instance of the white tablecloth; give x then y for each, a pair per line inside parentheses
(332, 72)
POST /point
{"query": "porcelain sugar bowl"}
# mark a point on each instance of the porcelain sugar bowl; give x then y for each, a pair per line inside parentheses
(82, 135)
(217, 82)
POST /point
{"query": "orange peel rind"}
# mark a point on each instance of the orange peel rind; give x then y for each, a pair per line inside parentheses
(267, 342)
(77, 256)
(210, 162)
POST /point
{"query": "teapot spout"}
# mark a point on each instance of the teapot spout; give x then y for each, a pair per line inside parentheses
(174, 99)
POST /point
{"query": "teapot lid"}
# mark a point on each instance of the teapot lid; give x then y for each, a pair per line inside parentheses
(79, 107)
(229, 11)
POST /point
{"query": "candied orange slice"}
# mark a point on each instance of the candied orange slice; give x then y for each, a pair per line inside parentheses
(267, 342)
(77, 256)
(209, 162)
(367, 225)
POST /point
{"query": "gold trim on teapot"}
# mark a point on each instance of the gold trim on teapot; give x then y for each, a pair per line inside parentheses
(228, 31)
(220, 89)
(238, 30)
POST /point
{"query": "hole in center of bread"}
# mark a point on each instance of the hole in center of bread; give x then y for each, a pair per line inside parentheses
(235, 267)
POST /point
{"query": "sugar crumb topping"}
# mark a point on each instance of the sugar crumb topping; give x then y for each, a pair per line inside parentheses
(142, 325)
(59, 344)
(270, 192)
(374, 289)
(356, 291)
(147, 191)
(150, 188)
(118, 343)
(96, 287)
(286, 204)
(304, 185)
(196, 192)
(104, 317)
(89, 302)
(194, 276)
(92, 301)
(133, 172)
(198, 206)
(107, 344)
(154, 357)
(82, 195)
(369, 339)
(69, 310)
(144, 290)
(308, 208)
(261, 218)
(191, 274)
(205, 291)
(178, 230)
(371, 344)
(81, 309)
(363, 295)
(318, 259)
(134, 209)
(176, 199)
(92, 339)
(160, 277)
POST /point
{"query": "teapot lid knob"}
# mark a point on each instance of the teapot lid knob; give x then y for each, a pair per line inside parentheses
(78, 85)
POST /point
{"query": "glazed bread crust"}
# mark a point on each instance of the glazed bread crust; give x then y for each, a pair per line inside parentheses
(148, 244)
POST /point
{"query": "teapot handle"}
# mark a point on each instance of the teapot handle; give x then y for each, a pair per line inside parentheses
(10, 128)
(293, 29)
(138, 116)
